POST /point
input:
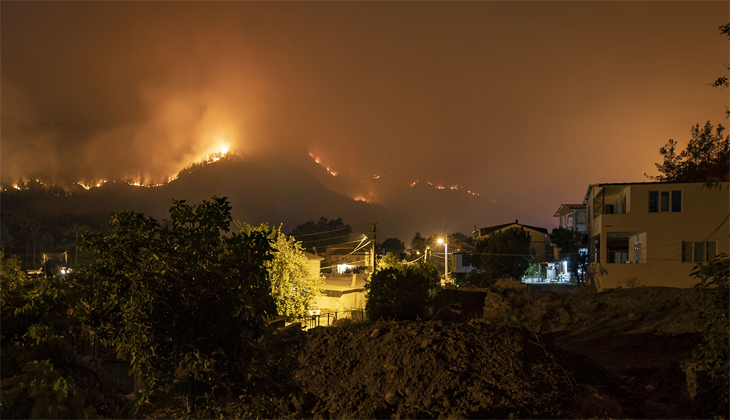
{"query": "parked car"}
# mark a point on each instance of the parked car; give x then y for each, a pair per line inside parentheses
(314, 310)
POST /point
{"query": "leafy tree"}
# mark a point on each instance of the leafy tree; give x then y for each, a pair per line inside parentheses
(292, 285)
(321, 233)
(706, 158)
(458, 241)
(41, 329)
(723, 82)
(390, 260)
(418, 244)
(187, 294)
(400, 290)
(38, 318)
(503, 254)
(45, 394)
(569, 243)
(394, 246)
(711, 356)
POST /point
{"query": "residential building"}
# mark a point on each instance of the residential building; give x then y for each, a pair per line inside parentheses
(539, 239)
(347, 256)
(655, 232)
(460, 262)
(572, 216)
(315, 264)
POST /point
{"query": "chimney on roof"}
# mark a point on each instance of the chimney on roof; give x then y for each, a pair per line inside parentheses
(517, 221)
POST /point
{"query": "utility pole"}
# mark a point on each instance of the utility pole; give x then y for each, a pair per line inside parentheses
(372, 246)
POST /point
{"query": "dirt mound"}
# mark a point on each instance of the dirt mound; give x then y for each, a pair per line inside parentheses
(434, 370)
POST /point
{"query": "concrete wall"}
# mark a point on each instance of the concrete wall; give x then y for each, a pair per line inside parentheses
(703, 218)
(346, 302)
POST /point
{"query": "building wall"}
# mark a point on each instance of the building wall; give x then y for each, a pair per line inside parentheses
(351, 300)
(703, 218)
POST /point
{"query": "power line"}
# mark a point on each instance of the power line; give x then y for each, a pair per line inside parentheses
(333, 237)
(320, 233)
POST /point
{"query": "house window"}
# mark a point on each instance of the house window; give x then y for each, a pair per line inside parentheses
(676, 201)
(637, 252)
(581, 216)
(617, 250)
(665, 201)
(465, 260)
(697, 252)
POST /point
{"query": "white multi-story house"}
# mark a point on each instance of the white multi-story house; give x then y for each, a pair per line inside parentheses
(655, 232)
(572, 216)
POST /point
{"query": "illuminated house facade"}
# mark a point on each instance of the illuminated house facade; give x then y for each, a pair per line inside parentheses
(460, 262)
(347, 257)
(655, 231)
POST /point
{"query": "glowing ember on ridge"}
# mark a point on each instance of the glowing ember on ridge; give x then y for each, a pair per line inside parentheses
(325, 167)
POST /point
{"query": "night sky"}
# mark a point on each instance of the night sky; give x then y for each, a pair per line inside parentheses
(524, 103)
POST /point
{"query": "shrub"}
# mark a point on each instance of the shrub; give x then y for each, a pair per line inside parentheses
(45, 394)
(400, 292)
(710, 358)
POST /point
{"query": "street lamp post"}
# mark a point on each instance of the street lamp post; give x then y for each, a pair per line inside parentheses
(446, 259)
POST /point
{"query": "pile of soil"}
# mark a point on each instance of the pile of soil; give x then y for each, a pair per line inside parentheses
(439, 370)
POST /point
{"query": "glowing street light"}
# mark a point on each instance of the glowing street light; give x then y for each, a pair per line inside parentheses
(224, 150)
(446, 259)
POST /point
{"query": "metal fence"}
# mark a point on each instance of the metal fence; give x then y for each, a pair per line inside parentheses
(330, 318)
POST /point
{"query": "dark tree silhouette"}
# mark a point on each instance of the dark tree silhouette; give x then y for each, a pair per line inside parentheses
(706, 157)
(321, 233)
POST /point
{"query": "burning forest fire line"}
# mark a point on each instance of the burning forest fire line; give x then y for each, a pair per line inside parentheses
(325, 167)
(139, 180)
(133, 180)
(455, 187)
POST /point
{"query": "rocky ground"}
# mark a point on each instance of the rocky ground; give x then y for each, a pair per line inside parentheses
(439, 370)
(613, 354)
(546, 352)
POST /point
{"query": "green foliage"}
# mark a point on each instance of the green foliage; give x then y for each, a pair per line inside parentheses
(45, 394)
(712, 355)
(292, 285)
(706, 158)
(41, 320)
(390, 260)
(533, 271)
(400, 291)
(569, 242)
(277, 357)
(503, 254)
(38, 319)
(185, 294)
(321, 233)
